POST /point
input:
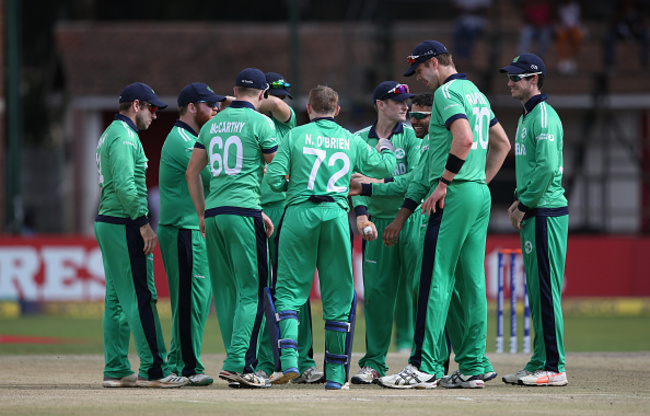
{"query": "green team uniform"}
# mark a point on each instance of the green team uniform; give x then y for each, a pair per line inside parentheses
(130, 302)
(273, 207)
(539, 166)
(456, 235)
(320, 157)
(235, 141)
(386, 268)
(455, 319)
(183, 252)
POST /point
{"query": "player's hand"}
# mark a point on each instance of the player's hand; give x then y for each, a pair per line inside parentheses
(149, 237)
(268, 224)
(226, 103)
(361, 178)
(355, 188)
(516, 217)
(437, 198)
(366, 228)
(391, 233)
(202, 225)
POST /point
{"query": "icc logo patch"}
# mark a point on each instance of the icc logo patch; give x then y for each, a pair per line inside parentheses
(400, 153)
(528, 247)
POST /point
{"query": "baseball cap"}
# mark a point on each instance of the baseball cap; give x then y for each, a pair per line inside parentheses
(278, 86)
(393, 90)
(425, 50)
(197, 91)
(252, 78)
(526, 62)
(142, 92)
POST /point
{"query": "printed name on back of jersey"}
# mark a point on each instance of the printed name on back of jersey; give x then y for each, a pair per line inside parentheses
(328, 142)
(227, 127)
(475, 98)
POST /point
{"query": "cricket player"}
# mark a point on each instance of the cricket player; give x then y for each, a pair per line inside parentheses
(541, 214)
(181, 244)
(284, 118)
(384, 267)
(236, 144)
(126, 241)
(459, 164)
(319, 158)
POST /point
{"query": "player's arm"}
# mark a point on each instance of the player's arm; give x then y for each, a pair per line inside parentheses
(380, 163)
(461, 144)
(397, 185)
(198, 162)
(123, 153)
(276, 108)
(278, 169)
(498, 148)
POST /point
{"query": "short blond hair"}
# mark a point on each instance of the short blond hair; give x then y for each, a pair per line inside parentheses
(323, 100)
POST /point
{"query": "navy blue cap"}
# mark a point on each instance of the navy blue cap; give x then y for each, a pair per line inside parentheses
(142, 92)
(425, 50)
(198, 91)
(272, 77)
(381, 92)
(252, 78)
(525, 63)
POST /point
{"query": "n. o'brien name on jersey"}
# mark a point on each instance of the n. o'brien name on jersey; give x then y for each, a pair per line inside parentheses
(227, 127)
(328, 142)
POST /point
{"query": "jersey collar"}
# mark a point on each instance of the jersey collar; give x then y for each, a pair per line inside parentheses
(322, 118)
(185, 126)
(399, 128)
(242, 104)
(533, 101)
(458, 75)
(128, 121)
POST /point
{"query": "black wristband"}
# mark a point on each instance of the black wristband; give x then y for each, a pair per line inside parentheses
(454, 163)
(445, 181)
(366, 189)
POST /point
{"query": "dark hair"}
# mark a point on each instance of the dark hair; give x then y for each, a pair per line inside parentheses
(445, 59)
(323, 100)
(540, 81)
(124, 107)
(423, 100)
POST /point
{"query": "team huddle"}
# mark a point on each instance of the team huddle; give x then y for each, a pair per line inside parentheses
(251, 205)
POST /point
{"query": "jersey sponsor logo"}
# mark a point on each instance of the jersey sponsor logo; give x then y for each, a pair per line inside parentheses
(328, 142)
(450, 106)
(528, 247)
(400, 153)
(130, 144)
(227, 127)
(520, 149)
(544, 136)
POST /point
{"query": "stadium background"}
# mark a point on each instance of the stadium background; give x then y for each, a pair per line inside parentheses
(64, 63)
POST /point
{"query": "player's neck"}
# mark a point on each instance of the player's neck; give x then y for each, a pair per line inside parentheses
(384, 127)
(188, 119)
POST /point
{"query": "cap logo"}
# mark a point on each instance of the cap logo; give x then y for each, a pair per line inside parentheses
(515, 60)
(210, 89)
(247, 81)
(533, 67)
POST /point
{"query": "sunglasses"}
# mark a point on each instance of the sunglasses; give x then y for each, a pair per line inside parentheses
(419, 115)
(398, 89)
(411, 58)
(151, 107)
(519, 77)
(210, 104)
(280, 85)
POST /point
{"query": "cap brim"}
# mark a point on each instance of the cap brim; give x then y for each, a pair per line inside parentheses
(158, 103)
(215, 98)
(280, 93)
(411, 69)
(511, 69)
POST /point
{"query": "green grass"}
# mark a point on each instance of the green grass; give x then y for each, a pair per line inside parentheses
(582, 333)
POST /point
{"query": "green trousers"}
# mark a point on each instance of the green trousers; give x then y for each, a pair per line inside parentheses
(130, 303)
(315, 236)
(544, 246)
(186, 264)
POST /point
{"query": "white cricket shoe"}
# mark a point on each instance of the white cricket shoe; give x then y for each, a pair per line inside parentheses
(169, 382)
(460, 380)
(544, 378)
(366, 375)
(283, 377)
(514, 378)
(126, 381)
(312, 375)
(200, 379)
(409, 378)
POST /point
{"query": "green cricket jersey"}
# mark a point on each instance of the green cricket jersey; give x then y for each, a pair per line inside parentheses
(329, 147)
(418, 188)
(176, 207)
(538, 156)
(235, 140)
(122, 167)
(269, 197)
(386, 201)
(459, 98)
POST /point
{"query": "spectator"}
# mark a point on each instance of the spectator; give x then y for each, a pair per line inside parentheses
(628, 24)
(569, 34)
(538, 25)
(470, 25)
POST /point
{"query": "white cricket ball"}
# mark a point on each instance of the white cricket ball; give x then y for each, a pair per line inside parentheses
(367, 230)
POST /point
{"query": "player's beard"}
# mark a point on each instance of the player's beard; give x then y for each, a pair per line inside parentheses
(201, 117)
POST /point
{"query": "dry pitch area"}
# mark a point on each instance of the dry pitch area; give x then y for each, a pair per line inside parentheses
(71, 385)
